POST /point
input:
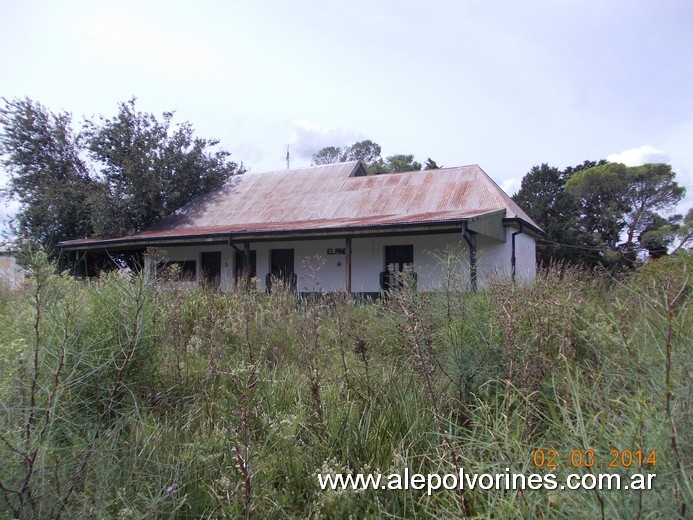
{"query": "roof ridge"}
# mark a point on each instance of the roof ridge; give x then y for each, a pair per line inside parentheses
(311, 167)
(519, 212)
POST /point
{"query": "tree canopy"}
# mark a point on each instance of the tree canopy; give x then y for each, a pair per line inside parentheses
(47, 174)
(112, 177)
(369, 153)
(365, 151)
(599, 194)
(395, 163)
(543, 196)
(601, 213)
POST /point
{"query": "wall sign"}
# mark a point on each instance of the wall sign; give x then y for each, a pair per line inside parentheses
(337, 251)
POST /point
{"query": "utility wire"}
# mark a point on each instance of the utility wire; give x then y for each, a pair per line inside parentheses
(584, 248)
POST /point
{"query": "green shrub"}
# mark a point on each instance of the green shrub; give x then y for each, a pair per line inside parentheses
(121, 400)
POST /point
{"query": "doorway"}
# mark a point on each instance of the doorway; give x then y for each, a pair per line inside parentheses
(210, 268)
(242, 269)
(282, 267)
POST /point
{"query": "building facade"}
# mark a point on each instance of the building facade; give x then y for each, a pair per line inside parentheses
(334, 228)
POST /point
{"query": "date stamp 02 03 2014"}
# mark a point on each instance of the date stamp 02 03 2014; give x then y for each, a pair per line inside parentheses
(550, 458)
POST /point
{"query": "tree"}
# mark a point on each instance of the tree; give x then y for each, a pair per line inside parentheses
(600, 193)
(395, 164)
(47, 176)
(684, 234)
(143, 168)
(586, 210)
(616, 199)
(650, 189)
(658, 235)
(662, 234)
(366, 151)
(543, 196)
(328, 155)
(149, 168)
(431, 165)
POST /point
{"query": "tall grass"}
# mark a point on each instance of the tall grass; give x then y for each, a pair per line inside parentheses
(122, 400)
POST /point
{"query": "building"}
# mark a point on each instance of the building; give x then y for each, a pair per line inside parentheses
(334, 228)
(11, 274)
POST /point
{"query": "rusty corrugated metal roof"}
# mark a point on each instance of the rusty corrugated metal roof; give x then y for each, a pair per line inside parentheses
(333, 197)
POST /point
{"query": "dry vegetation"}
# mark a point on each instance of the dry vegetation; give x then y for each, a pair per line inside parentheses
(119, 400)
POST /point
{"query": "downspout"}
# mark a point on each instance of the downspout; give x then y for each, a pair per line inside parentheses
(470, 238)
(246, 263)
(512, 256)
(246, 253)
(235, 267)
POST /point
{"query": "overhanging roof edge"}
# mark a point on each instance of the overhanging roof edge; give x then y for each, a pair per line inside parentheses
(347, 230)
(240, 235)
(534, 229)
(137, 242)
(221, 237)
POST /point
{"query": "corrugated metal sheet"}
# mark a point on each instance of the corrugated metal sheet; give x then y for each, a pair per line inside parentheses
(331, 197)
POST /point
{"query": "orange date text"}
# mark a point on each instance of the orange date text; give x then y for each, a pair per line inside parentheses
(551, 458)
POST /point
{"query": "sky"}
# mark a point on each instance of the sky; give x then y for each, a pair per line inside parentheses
(499, 83)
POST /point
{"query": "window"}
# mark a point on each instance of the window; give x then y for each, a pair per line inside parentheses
(177, 271)
(399, 258)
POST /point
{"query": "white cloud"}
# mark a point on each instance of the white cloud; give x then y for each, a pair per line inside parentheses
(307, 138)
(511, 186)
(8, 210)
(639, 156)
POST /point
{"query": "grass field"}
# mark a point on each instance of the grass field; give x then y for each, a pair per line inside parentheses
(119, 399)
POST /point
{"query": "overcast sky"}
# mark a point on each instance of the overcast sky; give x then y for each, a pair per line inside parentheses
(504, 84)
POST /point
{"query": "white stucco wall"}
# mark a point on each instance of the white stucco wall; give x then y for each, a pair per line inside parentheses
(526, 262)
(318, 271)
(369, 260)
(494, 258)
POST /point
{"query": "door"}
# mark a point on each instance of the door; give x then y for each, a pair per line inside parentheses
(282, 267)
(282, 263)
(210, 268)
(245, 270)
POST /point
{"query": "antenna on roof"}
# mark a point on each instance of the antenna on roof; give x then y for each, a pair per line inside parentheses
(287, 157)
